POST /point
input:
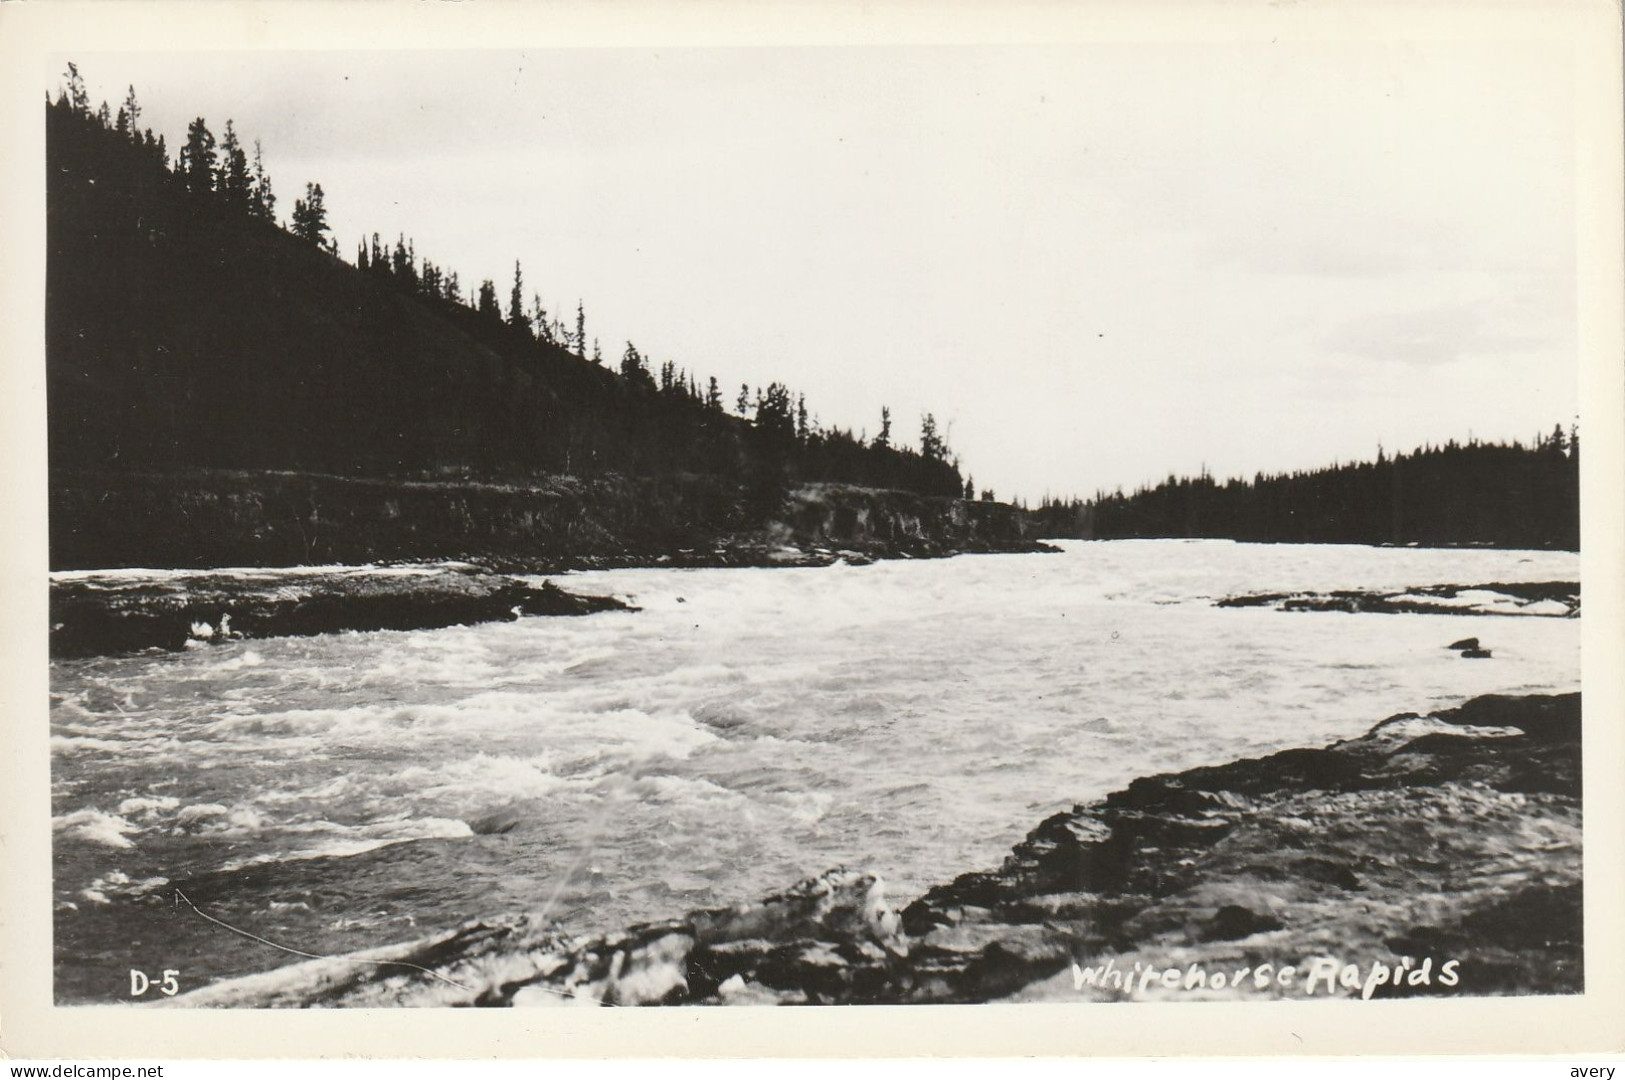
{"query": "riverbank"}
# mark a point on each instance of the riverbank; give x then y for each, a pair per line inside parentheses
(1435, 855)
(220, 518)
(97, 615)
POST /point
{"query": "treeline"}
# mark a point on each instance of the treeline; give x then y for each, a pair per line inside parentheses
(1496, 494)
(188, 326)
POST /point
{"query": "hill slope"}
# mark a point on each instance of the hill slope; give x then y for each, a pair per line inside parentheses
(187, 337)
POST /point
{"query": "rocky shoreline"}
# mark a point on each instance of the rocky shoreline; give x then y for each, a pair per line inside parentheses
(93, 616)
(539, 525)
(448, 548)
(1437, 854)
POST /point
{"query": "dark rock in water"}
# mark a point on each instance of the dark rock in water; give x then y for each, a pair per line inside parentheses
(1475, 654)
(1464, 826)
(498, 824)
(92, 616)
(1541, 599)
(1234, 921)
(1464, 643)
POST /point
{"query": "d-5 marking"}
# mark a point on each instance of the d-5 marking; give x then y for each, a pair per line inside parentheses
(169, 985)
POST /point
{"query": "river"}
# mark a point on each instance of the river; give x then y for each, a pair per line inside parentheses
(743, 730)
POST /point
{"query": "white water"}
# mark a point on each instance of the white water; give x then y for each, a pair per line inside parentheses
(745, 729)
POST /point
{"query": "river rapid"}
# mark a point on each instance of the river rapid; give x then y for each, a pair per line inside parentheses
(743, 730)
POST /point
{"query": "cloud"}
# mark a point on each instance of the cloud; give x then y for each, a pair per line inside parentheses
(1436, 334)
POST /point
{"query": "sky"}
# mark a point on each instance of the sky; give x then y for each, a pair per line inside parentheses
(1096, 265)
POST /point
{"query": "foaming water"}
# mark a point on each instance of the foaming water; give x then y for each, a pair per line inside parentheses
(746, 728)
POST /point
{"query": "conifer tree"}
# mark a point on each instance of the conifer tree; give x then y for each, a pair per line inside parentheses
(234, 183)
(516, 301)
(488, 300)
(132, 110)
(932, 448)
(263, 204)
(581, 330)
(78, 97)
(310, 215)
(631, 363)
(883, 440)
(539, 318)
(197, 164)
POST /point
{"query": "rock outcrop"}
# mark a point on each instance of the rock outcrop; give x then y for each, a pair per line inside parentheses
(212, 518)
(119, 614)
(1553, 599)
(1445, 844)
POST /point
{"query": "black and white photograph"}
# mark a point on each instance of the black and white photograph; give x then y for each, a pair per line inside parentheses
(835, 524)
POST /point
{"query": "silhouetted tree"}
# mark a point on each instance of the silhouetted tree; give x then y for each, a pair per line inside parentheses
(581, 330)
(197, 165)
(932, 447)
(310, 215)
(516, 301)
(488, 300)
(234, 183)
(132, 111)
(78, 97)
(883, 440)
(633, 368)
(262, 202)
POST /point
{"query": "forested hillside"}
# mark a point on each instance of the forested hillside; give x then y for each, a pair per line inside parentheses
(1500, 494)
(187, 328)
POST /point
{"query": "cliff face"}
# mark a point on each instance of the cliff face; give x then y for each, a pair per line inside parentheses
(1435, 855)
(220, 518)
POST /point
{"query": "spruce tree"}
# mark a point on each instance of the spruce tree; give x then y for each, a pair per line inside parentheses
(516, 301)
(263, 202)
(932, 448)
(132, 110)
(235, 183)
(197, 164)
(310, 215)
(488, 300)
(78, 97)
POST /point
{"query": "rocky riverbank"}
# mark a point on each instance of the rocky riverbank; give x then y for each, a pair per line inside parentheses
(214, 518)
(1437, 854)
(97, 615)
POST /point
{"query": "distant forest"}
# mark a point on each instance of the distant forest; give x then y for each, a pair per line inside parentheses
(1493, 494)
(188, 327)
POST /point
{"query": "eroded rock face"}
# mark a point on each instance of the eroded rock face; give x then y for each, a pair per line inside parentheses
(1451, 838)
